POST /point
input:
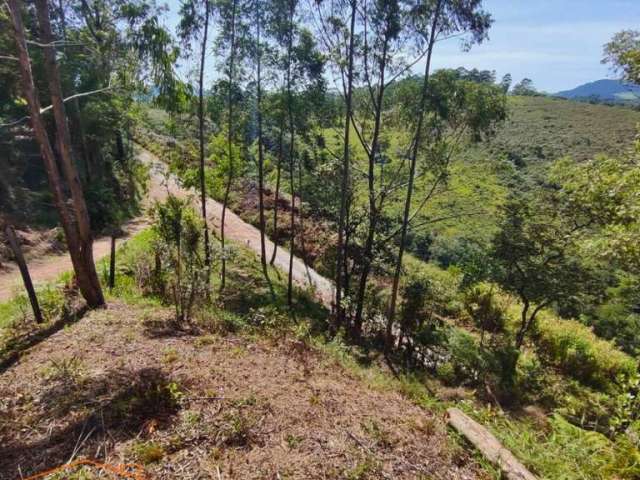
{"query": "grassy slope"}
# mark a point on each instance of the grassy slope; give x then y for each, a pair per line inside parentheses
(270, 374)
(542, 129)
(558, 128)
(249, 392)
(539, 130)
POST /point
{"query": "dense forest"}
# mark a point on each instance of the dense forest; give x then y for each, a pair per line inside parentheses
(276, 181)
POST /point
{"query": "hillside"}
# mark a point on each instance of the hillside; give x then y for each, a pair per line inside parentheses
(187, 406)
(605, 90)
(242, 392)
(254, 240)
(540, 130)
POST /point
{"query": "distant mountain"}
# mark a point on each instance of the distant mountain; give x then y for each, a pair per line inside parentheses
(604, 91)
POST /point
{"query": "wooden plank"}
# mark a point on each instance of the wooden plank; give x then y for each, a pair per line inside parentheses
(488, 445)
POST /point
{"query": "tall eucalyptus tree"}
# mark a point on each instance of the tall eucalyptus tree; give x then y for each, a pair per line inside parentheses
(231, 46)
(194, 24)
(337, 23)
(430, 22)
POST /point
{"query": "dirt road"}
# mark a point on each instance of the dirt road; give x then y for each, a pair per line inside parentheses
(48, 268)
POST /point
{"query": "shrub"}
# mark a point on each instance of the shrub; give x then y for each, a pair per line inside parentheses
(469, 361)
(53, 302)
(443, 285)
(577, 352)
(177, 248)
(626, 417)
(485, 309)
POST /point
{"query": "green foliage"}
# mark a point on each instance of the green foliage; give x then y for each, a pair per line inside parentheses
(535, 257)
(147, 452)
(604, 193)
(178, 252)
(228, 161)
(623, 54)
(483, 307)
(626, 416)
(579, 353)
(562, 450)
(617, 317)
(524, 88)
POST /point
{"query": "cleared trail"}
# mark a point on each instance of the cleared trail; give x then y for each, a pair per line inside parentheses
(161, 183)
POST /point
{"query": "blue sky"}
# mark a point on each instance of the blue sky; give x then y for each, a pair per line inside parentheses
(556, 43)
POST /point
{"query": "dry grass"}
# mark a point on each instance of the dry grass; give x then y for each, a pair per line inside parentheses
(252, 409)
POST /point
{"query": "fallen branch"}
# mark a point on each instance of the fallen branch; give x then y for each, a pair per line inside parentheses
(488, 445)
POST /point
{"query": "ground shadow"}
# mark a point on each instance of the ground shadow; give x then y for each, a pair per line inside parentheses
(87, 417)
(13, 349)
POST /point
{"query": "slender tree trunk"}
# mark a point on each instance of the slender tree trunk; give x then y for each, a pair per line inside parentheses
(277, 193)
(24, 271)
(292, 240)
(527, 322)
(412, 173)
(203, 193)
(341, 252)
(373, 209)
(229, 144)
(263, 250)
(112, 263)
(303, 248)
(291, 152)
(523, 325)
(120, 152)
(76, 230)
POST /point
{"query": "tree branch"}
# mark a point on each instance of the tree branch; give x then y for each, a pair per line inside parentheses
(55, 43)
(46, 109)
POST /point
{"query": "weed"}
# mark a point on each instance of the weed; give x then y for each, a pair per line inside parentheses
(376, 432)
(147, 452)
(83, 473)
(170, 355)
(191, 418)
(293, 441)
(205, 340)
(237, 429)
(237, 351)
(366, 469)
(67, 370)
(249, 401)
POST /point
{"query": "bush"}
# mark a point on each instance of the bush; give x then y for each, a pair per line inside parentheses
(470, 362)
(485, 309)
(443, 285)
(574, 349)
(428, 294)
(178, 251)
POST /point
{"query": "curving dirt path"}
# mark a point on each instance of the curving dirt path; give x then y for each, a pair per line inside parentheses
(48, 268)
